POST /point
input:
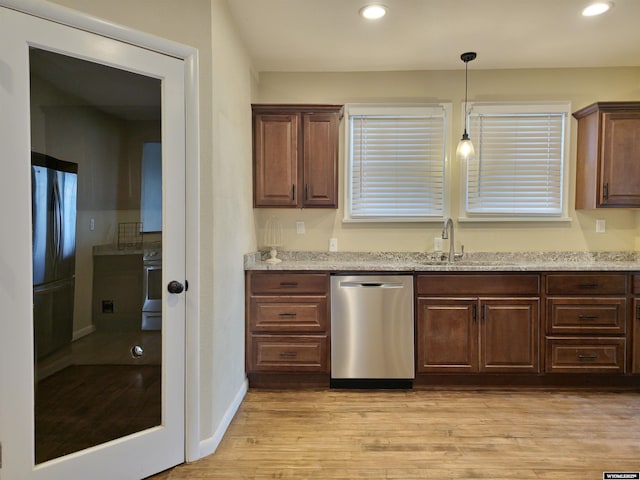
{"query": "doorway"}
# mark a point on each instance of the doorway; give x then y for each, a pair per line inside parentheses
(108, 235)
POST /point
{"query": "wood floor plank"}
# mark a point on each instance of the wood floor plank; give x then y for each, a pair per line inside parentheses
(426, 434)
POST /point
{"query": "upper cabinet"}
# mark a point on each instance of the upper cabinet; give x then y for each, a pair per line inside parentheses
(608, 160)
(295, 155)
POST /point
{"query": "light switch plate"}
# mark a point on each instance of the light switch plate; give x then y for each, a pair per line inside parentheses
(300, 227)
(333, 244)
(600, 226)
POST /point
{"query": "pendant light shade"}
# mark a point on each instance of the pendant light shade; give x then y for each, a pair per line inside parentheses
(465, 150)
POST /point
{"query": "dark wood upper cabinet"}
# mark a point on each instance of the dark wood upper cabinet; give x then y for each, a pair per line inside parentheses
(295, 155)
(608, 159)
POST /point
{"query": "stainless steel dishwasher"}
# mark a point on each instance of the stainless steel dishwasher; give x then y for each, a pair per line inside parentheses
(372, 334)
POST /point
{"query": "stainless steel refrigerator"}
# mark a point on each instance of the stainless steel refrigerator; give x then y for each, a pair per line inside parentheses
(54, 197)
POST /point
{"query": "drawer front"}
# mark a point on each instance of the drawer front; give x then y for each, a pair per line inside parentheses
(585, 355)
(478, 284)
(288, 313)
(586, 315)
(289, 283)
(587, 284)
(295, 353)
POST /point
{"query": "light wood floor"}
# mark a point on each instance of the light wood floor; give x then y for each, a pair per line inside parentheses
(426, 434)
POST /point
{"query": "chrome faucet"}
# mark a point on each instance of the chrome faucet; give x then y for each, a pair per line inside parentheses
(445, 235)
(448, 224)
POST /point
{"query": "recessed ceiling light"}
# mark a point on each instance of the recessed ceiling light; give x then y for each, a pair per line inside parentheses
(597, 8)
(373, 12)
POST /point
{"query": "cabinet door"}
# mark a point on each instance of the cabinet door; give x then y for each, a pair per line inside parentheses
(275, 156)
(447, 335)
(509, 335)
(320, 170)
(636, 335)
(620, 185)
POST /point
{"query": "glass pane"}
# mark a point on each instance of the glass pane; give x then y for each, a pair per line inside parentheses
(97, 271)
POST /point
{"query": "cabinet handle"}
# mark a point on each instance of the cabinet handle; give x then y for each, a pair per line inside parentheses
(288, 315)
(288, 354)
(638, 312)
(587, 356)
(588, 285)
(588, 317)
(293, 191)
(605, 192)
(306, 191)
(288, 284)
(484, 311)
(475, 312)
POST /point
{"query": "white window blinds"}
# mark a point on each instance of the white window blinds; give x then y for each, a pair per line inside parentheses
(396, 165)
(519, 165)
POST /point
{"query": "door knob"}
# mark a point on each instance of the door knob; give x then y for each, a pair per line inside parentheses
(175, 287)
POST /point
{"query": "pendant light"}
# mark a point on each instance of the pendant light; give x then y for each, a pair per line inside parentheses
(465, 147)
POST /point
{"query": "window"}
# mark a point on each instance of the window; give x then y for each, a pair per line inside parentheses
(520, 169)
(396, 158)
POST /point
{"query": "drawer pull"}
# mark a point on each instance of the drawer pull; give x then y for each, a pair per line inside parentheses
(288, 284)
(588, 317)
(588, 285)
(587, 356)
(288, 315)
(288, 354)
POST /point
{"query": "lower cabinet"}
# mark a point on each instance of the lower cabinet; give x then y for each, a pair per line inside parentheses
(574, 324)
(586, 323)
(468, 334)
(287, 323)
(478, 335)
(635, 321)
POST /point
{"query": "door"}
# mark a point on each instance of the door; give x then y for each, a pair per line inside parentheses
(320, 159)
(275, 156)
(447, 335)
(69, 93)
(509, 335)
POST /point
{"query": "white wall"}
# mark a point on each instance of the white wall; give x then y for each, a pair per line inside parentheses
(579, 86)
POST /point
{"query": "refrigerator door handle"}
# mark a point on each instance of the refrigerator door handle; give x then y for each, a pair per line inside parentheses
(57, 219)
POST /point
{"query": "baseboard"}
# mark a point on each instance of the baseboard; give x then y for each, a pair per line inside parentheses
(83, 332)
(210, 445)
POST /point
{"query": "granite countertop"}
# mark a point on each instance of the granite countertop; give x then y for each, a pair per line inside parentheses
(111, 249)
(430, 262)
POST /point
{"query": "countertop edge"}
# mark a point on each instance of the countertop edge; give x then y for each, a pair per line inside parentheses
(427, 263)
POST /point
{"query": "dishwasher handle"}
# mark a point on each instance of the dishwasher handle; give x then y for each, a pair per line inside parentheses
(371, 284)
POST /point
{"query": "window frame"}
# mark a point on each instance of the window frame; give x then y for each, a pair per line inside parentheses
(414, 109)
(514, 108)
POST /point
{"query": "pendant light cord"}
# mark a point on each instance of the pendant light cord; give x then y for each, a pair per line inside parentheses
(466, 86)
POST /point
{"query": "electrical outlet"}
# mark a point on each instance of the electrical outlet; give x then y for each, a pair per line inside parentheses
(333, 244)
(600, 226)
(92, 224)
(300, 227)
(437, 244)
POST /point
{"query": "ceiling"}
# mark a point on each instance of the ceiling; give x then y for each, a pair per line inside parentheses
(329, 35)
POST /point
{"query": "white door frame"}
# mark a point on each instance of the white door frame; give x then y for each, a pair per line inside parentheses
(189, 55)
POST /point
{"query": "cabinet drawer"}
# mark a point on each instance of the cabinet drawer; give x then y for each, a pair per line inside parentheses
(295, 353)
(288, 283)
(585, 355)
(587, 283)
(586, 315)
(478, 284)
(288, 313)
